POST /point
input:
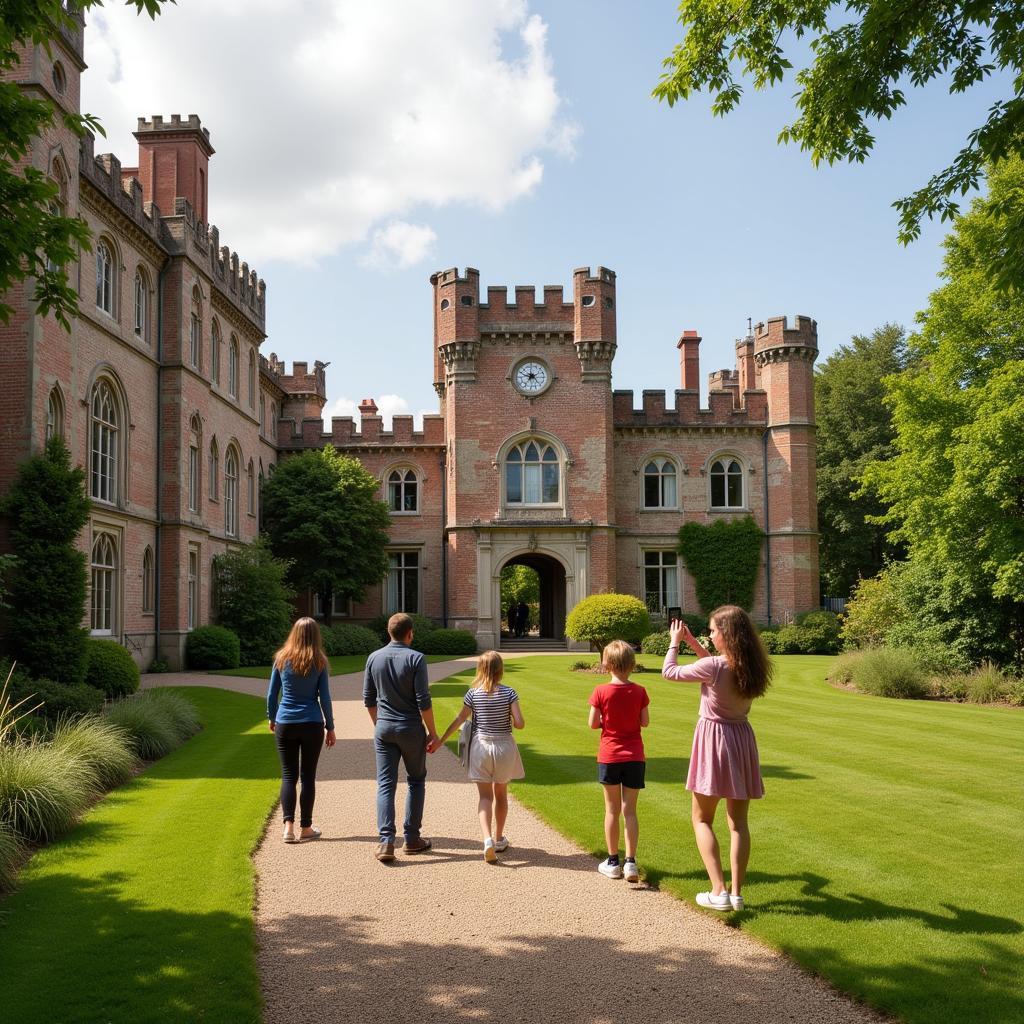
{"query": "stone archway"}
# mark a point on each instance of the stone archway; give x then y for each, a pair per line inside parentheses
(551, 575)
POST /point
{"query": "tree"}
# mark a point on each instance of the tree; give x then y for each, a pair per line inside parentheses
(854, 429)
(520, 583)
(36, 242)
(601, 618)
(253, 599)
(863, 53)
(47, 509)
(955, 487)
(321, 514)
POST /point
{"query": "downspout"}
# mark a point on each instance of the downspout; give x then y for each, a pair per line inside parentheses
(767, 529)
(159, 453)
(444, 539)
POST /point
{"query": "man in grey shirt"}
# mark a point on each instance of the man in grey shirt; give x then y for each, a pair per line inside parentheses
(396, 694)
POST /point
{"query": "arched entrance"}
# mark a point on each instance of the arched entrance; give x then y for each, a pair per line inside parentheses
(551, 577)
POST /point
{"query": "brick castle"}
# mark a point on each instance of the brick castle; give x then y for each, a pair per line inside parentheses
(163, 396)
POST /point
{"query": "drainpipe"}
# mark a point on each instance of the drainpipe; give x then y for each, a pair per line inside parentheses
(767, 528)
(444, 540)
(159, 454)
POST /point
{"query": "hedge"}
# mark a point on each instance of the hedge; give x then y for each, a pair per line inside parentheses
(347, 638)
(212, 647)
(58, 700)
(448, 641)
(421, 625)
(110, 668)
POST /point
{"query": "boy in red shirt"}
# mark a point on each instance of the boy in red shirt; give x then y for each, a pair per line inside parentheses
(619, 708)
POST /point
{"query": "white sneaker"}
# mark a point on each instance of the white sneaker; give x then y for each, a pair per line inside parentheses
(736, 901)
(610, 870)
(630, 871)
(489, 853)
(501, 845)
(720, 902)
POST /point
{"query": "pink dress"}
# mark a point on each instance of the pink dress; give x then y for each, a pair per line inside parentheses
(724, 759)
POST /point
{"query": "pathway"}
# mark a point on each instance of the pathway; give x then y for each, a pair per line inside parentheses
(446, 937)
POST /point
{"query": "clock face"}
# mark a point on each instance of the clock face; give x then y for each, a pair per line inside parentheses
(531, 377)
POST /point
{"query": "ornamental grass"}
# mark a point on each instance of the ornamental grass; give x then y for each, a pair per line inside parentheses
(148, 723)
(11, 852)
(42, 790)
(100, 747)
(183, 714)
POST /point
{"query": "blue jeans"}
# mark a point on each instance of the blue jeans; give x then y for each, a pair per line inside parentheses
(394, 742)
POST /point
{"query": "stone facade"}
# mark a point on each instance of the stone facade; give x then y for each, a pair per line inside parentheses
(162, 395)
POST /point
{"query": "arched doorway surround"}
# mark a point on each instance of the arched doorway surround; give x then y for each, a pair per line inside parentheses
(551, 576)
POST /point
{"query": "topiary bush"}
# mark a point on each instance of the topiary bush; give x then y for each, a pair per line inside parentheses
(656, 643)
(212, 647)
(601, 618)
(100, 747)
(446, 641)
(891, 672)
(110, 669)
(348, 638)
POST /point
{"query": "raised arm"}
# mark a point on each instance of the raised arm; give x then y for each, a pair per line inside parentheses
(700, 671)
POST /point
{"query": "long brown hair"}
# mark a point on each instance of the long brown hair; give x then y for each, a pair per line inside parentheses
(740, 643)
(489, 670)
(304, 648)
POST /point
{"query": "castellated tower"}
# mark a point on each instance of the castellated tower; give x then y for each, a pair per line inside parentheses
(784, 351)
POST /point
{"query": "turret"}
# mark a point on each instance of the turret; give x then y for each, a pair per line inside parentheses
(456, 324)
(784, 353)
(594, 321)
(174, 160)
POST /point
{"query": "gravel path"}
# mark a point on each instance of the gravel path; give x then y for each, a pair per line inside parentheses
(444, 936)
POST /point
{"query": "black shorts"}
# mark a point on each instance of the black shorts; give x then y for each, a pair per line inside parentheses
(622, 773)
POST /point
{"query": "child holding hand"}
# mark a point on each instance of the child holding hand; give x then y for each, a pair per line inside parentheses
(619, 708)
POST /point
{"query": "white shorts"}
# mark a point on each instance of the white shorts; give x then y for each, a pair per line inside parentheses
(494, 757)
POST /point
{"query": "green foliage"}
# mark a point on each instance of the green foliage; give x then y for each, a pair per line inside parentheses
(212, 647)
(180, 711)
(447, 641)
(603, 617)
(12, 850)
(37, 242)
(322, 514)
(723, 558)
(47, 509)
(253, 600)
(1015, 693)
(148, 723)
(110, 668)
(890, 672)
(656, 643)
(6, 566)
(99, 748)
(42, 791)
(520, 583)
(862, 56)
(854, 429)
(421, 625)
(56, 700)
(348, 638)
(843, 668)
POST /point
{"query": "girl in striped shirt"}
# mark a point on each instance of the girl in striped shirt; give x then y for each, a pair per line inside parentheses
(493, 755)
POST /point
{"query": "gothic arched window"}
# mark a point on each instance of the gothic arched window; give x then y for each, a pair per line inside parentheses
(195, 329)
(104, 441)
(215, 351)
(660, 483)
(104, 277)
(726, 483)
(231, 493)
(233, 367)
(54, 414)
(531, 474)
(103, 591)
(403, 491)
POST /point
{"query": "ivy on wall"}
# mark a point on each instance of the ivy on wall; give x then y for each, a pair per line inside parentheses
(723, 559)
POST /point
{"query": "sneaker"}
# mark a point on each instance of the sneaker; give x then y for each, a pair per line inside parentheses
(490, 854)
(501, 845)
(736, 901)
(385, 851)
(610, 869)
(713, 902)
(630, 871)
(416, 846)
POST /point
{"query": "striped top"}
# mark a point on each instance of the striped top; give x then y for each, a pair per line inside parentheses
(492, 712)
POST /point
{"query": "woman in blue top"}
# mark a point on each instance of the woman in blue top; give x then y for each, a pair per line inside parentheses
(299, 706)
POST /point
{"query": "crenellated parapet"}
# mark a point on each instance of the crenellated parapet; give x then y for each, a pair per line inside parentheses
(687, 413)
(296, 434)
(783, 338)
(244, 287)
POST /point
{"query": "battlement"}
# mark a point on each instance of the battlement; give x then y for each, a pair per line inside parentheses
(310, 433)
(785, 331)
(244, 286)
(300, 382)
(687, 412)
(719, 380)
(176, 124)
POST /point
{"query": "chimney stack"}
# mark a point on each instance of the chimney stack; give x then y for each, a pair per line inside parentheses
(689, 360)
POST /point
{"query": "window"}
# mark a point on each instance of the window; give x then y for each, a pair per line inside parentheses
(140, 305)
(193, 465)
(58, 204)
(103, 591)
(273, 422)
(233, 367)
(259, 501)
(250, 486)
(104, 278)
(54, 414)
(231, 494)
(402, 493)
(726, 484)
(340, 606)
(215, 352)
(103, 458)
(60, 79)
(263, 416)
(195, 330)
(531, 474)
(252, 379)
(148, 581)
(660, 484)
(661, 580)
(403, 584)
(214, 470)
(193, 586)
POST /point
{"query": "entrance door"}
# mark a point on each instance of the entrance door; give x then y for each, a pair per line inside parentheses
(551, 593)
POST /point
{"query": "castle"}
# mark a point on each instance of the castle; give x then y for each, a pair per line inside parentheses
(162, 395)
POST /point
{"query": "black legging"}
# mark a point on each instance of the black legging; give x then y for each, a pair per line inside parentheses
(299, 743)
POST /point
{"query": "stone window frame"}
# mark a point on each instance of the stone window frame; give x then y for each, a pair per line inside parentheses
(193, 557)
(55, 413)
(677, 464)
(140, 324)
(653, 546)
(195, 329)
(107, 298)
(725, 456)
(148, 581)
(521, 439)
(404, 467)
(250, 489)
(111, 537)
(214, 470)
(318, 612)
(194, 479)
(104, 376)
(404, 549)
(232, 491)
(59, 203)
(252, 375)
(234, 365)
(216, 337)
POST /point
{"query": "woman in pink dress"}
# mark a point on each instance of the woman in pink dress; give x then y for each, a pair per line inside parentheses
(723, 763)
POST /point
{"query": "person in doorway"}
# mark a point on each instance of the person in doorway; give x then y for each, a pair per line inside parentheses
(522, 619)
(299, 708)
(397, 697)
(513, 612)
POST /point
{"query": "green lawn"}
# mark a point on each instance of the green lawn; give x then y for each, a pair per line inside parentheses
(340, 664)
(144, 911)
(886, 855)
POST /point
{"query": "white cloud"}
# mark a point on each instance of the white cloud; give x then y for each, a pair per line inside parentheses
(388, 406)
(332, 122)
(400, 245)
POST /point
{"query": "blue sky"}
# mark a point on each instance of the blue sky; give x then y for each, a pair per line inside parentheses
(706, 221)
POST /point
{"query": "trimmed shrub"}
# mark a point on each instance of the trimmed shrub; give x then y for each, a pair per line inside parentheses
(59, 700)
(601, 618)
(348, 638)
(11, 851)
(894, 672)
(99, 746)
(447, 641)
(42, 791)
(212, 647)
(182, 713)
(421, 625)
(148, 723)
(656, 643)
(110, 668)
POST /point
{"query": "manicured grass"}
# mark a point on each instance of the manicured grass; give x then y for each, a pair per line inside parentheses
(144, 911)
(340, 664)
(886, 855)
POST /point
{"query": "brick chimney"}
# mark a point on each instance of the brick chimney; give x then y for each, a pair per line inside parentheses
(367, 407)
(174, 160)
(689, 360)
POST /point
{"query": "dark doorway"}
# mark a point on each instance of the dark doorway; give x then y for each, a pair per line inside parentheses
(547, 612)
